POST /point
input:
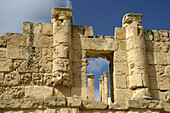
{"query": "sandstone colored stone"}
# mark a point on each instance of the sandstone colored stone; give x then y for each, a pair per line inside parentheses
(93, 105)
(38, 91)
(44, 69)
(10, 103)
(82, 30)
(5, 65)
(47, 29)
(52, 101)
(32, 103)
(120, 33)
(167, 107)
(156, 35)
(137, 104)
(119, 105)
(122, 94)
(155, 104)
(132, 19)
(73, 102)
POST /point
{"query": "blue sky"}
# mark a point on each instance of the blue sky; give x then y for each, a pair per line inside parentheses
(103, 15)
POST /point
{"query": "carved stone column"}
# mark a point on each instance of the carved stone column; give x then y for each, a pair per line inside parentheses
(62, 56)
(136, 56)
(106, 87)
(90, 86)
(100, 88)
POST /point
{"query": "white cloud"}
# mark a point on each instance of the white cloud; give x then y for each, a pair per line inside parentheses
(96, 65)
(15, 12)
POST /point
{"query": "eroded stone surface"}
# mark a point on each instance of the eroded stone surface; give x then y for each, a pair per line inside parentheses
(44, 69)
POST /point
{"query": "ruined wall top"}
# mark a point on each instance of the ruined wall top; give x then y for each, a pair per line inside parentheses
(132, 19)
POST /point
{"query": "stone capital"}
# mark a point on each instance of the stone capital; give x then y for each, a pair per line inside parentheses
(90, 75)
(132, 19)
(59, 13)
(105, 74)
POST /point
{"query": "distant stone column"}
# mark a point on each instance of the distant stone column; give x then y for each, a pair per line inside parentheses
(62, 56)
(100, 88)
(106, 87)
(136, 56)
(90, 86)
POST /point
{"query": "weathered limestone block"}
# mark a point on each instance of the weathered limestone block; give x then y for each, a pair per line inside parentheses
(16, 39)
(47, 79)
(38, 91)
(61, 52)
(141, 93)
(93, 105)
(139, 54)
(168, 57)
(164, 83)
(167, 70)
(12, 92)
(133, 42)
(98, 44)
(144, 111)
(119, 105)
(153, 82)
(3, 52)
(62, 91)
(43, 41)
(132, 19)
(25, 78)
(164, 95)
(11, 79)
(47, 29)
(135, 81)
(61, 65)
(167, 107)
(52, 101)
(150, 58)
(37, 28)
(10, 103)
(137, 104)
(79, 31)
(26, 65)
(120, 56)
(45, 66)
(120, 81)
(160, 58)
(1, 78)
(47, 53)
(122, 94)
(37, 78)
(5, 65)
(155, 104)
(156, 35)
(164, 35)
(32, 103)
(74, 102)
(77, 79)
(159, 70)
(121, 68)
(77, 91)
(148, 35)
(120, 33)
(13, 51)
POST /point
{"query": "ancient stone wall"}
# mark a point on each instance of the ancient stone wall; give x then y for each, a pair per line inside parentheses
(43, 70)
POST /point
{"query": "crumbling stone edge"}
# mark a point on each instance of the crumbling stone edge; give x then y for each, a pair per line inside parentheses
(77, 102)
